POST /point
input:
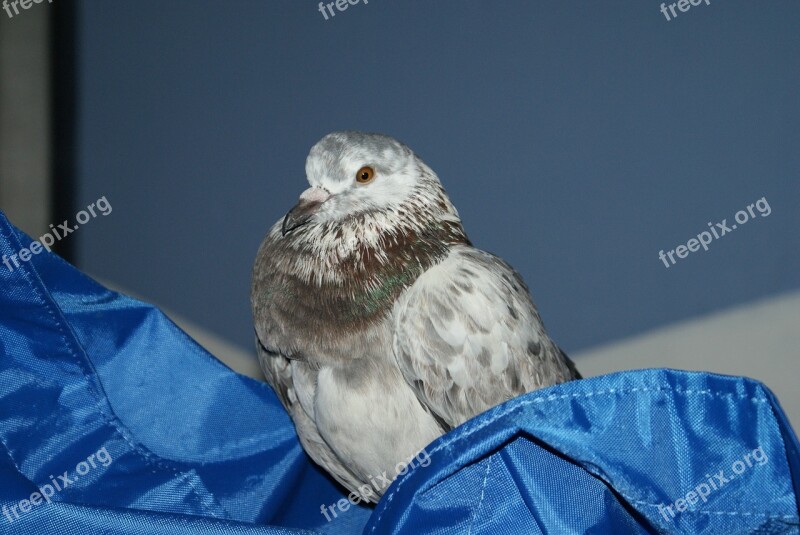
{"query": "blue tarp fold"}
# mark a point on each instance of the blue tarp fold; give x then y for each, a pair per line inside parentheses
(114, 421)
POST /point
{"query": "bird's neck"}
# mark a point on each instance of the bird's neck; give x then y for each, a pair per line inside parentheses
(357, 271)
(377, 275)
(351, 272)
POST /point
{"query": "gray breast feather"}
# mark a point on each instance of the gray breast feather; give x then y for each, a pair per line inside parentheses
(294, 383)
(467, 337)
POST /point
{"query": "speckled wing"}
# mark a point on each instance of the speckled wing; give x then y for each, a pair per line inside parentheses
(294, 383)
(467, 337)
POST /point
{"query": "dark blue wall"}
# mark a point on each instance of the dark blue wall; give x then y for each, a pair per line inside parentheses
(577, 139)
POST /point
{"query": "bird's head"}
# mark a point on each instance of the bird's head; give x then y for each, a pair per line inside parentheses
(370, 179)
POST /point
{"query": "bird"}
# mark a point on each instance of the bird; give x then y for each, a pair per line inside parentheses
(378, 324)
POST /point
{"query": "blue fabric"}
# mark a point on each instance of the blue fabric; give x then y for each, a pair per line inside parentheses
(153, 435)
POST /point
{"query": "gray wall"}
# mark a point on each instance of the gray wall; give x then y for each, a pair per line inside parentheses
(25, 185)
(577, 139)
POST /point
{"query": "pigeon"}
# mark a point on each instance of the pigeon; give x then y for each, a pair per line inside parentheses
(378, 324)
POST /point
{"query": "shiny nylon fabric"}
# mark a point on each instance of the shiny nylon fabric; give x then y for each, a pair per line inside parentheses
(196, 448)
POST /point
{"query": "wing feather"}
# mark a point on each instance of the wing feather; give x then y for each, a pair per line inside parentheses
(467, 337)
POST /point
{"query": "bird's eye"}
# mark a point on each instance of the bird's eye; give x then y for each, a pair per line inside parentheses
(365, 175)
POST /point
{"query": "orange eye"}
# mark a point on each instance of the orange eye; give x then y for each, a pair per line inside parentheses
(365, 175)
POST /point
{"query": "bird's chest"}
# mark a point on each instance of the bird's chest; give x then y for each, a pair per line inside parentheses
(370, 417)
(321, 328)
(327, 322)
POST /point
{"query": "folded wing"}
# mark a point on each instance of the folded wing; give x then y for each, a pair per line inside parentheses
(468, 337)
